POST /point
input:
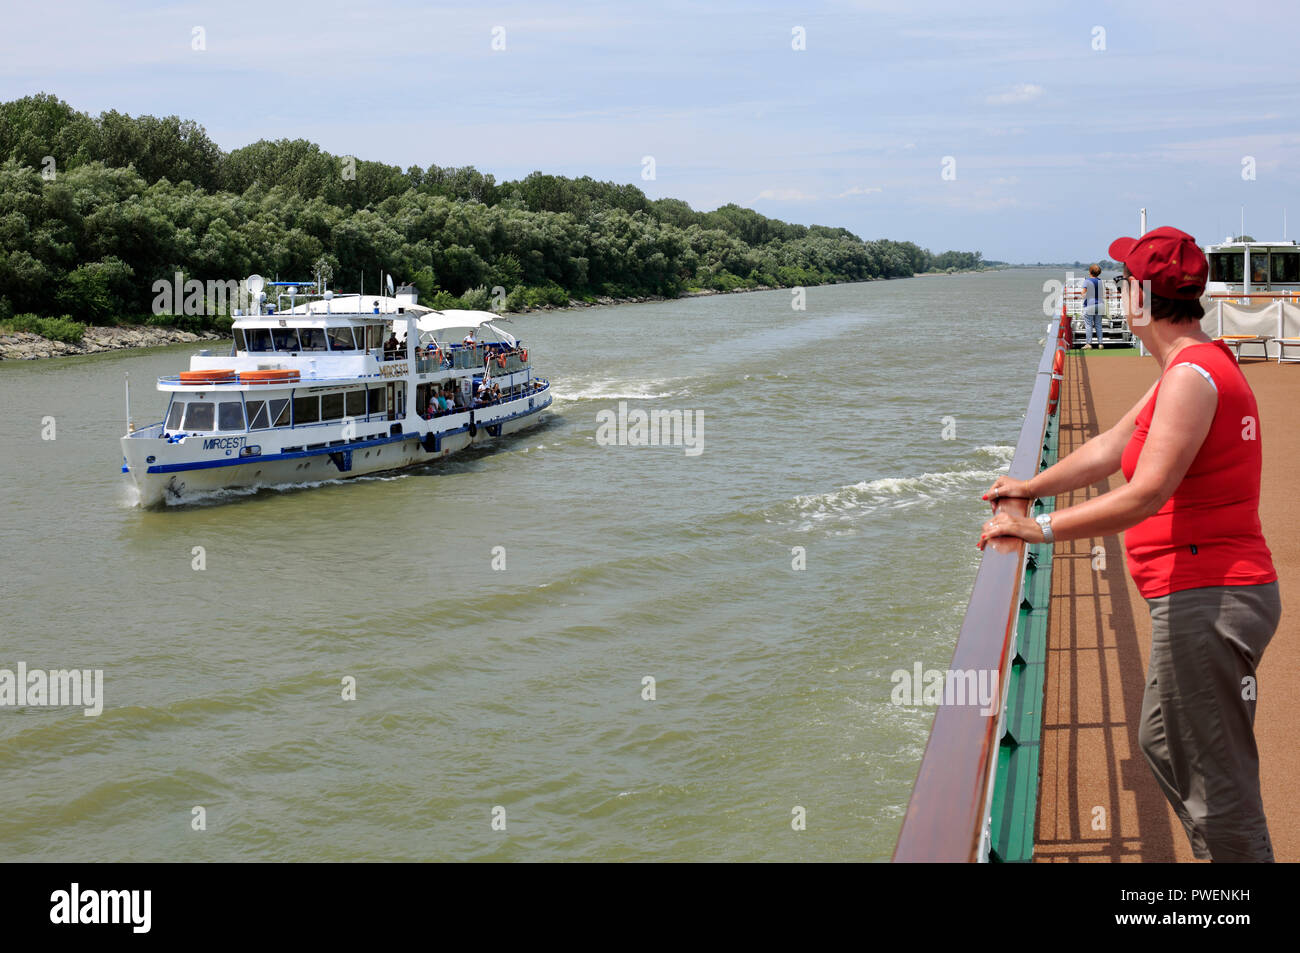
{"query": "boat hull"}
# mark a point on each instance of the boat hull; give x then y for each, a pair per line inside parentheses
(178, 484)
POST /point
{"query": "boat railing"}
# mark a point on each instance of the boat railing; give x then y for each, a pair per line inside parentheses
(948, 816)
(153, 431)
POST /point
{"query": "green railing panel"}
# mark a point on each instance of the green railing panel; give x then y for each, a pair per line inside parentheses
(1015, 790)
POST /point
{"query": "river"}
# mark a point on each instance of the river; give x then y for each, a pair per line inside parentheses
(822, 539)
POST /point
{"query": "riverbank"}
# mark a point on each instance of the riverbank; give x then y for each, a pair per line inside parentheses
(26, 346)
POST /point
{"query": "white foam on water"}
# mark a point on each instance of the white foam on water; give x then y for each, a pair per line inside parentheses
(225, 494)
(892, 493)
(610, 389)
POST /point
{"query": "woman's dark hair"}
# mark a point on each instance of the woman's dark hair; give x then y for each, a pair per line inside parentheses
(1173, 310)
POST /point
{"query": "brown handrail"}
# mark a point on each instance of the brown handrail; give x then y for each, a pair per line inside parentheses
(946, 817)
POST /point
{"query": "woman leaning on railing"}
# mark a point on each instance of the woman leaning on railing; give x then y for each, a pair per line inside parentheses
(1190, 452)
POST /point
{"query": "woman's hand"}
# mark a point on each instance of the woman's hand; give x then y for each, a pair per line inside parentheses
(1006, 488)
(1005, 524)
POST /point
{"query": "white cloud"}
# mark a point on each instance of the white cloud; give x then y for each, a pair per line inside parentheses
(1022, 93)
(858, 190)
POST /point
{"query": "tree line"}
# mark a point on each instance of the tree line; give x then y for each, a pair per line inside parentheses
(93, 210)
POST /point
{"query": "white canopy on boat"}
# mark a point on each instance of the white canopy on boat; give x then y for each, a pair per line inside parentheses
(434, 321)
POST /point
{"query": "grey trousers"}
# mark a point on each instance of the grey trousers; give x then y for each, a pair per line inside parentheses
(1197, 727)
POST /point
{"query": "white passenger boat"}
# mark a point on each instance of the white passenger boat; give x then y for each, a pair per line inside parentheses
(318, 391)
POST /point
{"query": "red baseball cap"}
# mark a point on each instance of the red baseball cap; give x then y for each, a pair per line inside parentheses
(1171, 260)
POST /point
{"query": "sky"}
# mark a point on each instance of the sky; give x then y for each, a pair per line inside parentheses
(1029, 131)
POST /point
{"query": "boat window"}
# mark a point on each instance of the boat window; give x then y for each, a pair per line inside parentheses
(313, 339)
(174, 415)
(376, 405)
(306, 410)
(1284, 266)
(1226, 266)
(374, 336)
(240, 344)
(230, 415)
(1259, 268)
(331, 406)
(258, 419)
(286, 339)
(259, 339)
(279, 412)
(198, 415)
(356, 403)
(340, 339)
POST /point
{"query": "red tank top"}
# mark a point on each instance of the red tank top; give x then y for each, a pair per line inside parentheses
(1208, 531)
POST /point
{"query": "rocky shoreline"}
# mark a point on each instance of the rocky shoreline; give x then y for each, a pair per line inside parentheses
(24, 346)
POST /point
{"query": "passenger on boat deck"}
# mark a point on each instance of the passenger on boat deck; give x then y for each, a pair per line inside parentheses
(391, 344)
(1194, 545)
(469, 340)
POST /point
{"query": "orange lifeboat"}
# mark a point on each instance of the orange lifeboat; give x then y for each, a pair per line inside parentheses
(207, 377)
(267, 377)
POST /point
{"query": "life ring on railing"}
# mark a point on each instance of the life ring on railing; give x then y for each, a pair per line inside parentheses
(1054, 395)
(207, 377)
(501, 360)
(523, 355)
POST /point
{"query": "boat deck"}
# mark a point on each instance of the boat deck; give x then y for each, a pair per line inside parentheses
(1099, 644)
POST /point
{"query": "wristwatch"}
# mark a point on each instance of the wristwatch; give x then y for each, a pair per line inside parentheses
(1045, 521)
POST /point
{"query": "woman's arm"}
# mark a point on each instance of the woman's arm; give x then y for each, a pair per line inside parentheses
(1181, 421)
(1097, 459)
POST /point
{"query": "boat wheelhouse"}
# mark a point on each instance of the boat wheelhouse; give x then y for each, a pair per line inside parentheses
(1252, 297)
(1244, 269)
(333, 387)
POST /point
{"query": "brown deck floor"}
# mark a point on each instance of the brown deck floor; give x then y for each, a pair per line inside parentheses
(1099, 641)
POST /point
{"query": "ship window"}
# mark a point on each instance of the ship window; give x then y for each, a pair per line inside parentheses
(280, 412)
(331, 406)
(230, 415)
(374, 336)
(240, 344)
(1284, 266)
(340, 339)
(198, 415)
(356, 402)
(1227, 266)
(1259, 268)
(286, 339)
(259, 339)
(377, 399)
(313, 339)
(306, 410)
(174, 415)
(258, 418)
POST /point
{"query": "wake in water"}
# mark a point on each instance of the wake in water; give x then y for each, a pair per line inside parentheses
(201, 498)
(613, 389)
(848, 503)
